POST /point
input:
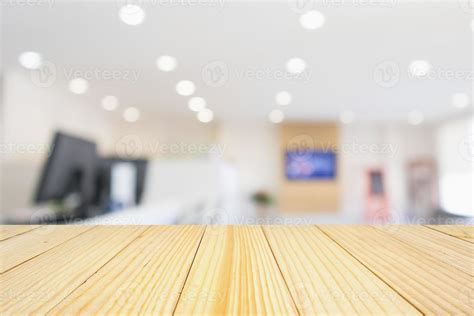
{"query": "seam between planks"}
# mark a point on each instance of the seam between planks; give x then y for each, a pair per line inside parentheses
(279, 269)
(373, 272)
(47, 250)
(446, 234)
(189, 270)
(22, 233)
(420, 249)
(90, 276)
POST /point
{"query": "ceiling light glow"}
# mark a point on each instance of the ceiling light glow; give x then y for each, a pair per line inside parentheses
(205, 116)
(185, 87)
(166, 63)
(78, 85)
(197, 104)
(131, 114)
(110, 102)
(312, 20)
(295, 65)
(283, 98)
(132, 14)
(276, 116)
(30, 60)
(460, 100)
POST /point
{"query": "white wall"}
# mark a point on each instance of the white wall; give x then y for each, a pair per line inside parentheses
(455, 148)
(253, 149)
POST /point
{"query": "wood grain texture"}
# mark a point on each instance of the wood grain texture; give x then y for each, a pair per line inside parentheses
(39, 284)
(444, 247)
(325, 280)
(235, 273)
(20, 248)
(463, 232)
(146, 278)
(433, 286)
(236, 270)
(8, 231)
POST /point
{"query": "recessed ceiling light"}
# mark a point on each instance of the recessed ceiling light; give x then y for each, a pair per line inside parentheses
(110, 102)
(185, 87)
(30, 60)
(283, 98)
(347, 117)
(205, 116)
(131, 114)
(420, 68)
(295, 65)
(415, 117)
(460, 100)
(197, 104)
(276, 116)
(132, 14)
(166, 63)
(312, 20)
(78, 85)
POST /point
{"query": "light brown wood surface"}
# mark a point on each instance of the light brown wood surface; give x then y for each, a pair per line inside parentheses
(236, 270)
(459, 231)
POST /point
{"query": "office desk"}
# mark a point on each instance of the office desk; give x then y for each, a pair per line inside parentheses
(237, 270)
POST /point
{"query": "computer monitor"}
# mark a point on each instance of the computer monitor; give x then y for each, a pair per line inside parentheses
(70, 171)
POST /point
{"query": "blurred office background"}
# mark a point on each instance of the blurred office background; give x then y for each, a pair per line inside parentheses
(221, 111)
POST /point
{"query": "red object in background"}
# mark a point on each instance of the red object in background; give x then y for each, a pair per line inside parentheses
(377, 205)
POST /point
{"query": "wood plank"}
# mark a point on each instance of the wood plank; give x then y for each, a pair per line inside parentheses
(145, 278)
(8, 231)
(433, 286)
(235, 273)
(464, 232)
(14, 251)
(325, 280)
(446, 248)
(39, 284)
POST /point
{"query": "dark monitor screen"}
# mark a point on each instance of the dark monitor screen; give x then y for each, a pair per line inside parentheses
(70, 167)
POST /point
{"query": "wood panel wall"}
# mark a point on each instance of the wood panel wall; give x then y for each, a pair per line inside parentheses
(308, 195)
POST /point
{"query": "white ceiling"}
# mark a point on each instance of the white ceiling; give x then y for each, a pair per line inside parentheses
(245, 36)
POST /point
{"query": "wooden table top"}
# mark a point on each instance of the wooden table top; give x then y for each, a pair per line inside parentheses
(241, 270)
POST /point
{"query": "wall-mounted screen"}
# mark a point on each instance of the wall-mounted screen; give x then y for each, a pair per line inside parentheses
(310, 165)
